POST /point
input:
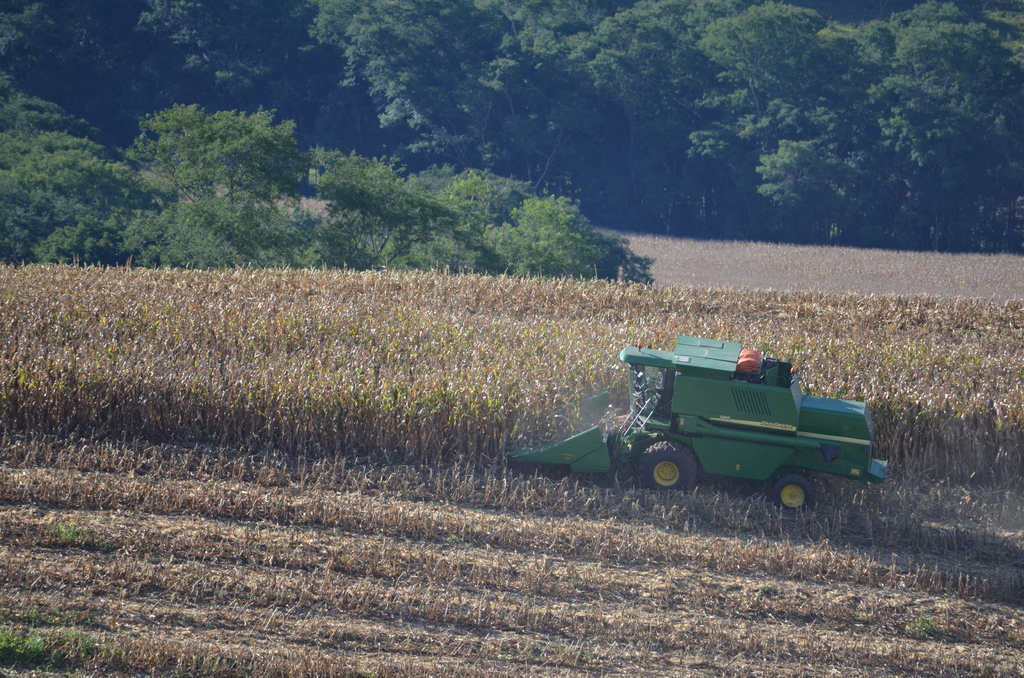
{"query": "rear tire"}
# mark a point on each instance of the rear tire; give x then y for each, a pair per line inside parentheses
(667, 466)
(793, 492)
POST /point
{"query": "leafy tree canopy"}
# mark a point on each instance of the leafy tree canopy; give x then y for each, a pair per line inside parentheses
(54, 182)
(375, 216)
(193, 155)
(894, 123)
(226, 182)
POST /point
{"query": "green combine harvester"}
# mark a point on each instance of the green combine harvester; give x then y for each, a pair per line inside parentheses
(714, 406)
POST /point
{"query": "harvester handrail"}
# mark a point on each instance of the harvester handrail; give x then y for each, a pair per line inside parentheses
(634, 416)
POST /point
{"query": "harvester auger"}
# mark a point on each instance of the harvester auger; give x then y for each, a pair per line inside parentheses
(716, 407)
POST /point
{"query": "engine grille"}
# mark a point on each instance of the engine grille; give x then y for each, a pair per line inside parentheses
(751, 402)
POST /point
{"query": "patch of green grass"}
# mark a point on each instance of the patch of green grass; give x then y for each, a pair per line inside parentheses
(924, 627)
(19, 647)
(34, 617)
(78, 646)
(22, 647)
(70, 534)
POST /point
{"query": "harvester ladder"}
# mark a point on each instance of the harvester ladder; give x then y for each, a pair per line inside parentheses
(632, 419)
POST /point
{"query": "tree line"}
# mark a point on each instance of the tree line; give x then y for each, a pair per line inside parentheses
(203, 190)
(883, 123)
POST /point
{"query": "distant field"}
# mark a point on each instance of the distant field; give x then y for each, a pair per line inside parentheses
(796, 268)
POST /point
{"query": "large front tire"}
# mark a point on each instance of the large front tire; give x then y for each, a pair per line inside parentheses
(667, 466)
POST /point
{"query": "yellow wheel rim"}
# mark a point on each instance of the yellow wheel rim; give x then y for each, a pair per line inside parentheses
(792, 496)
(666, 474)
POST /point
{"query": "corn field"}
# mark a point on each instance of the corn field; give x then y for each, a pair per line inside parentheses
(430, 368)
(297, 473)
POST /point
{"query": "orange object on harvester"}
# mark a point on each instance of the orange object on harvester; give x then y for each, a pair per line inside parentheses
(750, 360)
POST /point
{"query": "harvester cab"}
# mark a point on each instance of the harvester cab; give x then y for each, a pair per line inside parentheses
(711, 406)
(652, 390)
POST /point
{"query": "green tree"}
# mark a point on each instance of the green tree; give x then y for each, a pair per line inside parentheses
(375, 217)
(247, 54)
(811, 188)
(645, 62)
(113, 62)
(950, 103)
(214, 232)
(85, 55)
(423, 60)
(495, 219)
(548, 236)
(478, 83)
(770, 51)
(54, 183)
(234, 46)
(194, 155)
(225, 183)
(792, 124)
(88, 240)
(463, 245)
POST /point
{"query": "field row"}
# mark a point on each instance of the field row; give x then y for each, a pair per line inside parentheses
(976, 525)
(319, 590)
(968, 563)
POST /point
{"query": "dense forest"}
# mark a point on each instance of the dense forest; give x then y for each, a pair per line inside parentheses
(493, 134)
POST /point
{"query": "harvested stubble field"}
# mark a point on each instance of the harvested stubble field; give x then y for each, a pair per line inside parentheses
(300, 473)
(758, 265)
